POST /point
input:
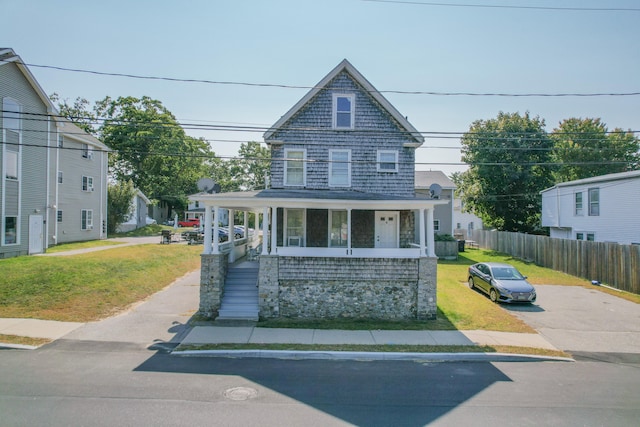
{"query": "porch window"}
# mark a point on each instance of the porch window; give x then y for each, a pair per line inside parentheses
(295, 167)
(340, 168)
(594, 202)
(578, 203)
(338, 234)
(387, 161)
(294, 219)
(343, 106)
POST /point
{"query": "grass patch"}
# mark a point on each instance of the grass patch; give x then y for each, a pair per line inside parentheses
(146, 231)
(90, 286)
(381, 348)
(14, 339)
(63, 247)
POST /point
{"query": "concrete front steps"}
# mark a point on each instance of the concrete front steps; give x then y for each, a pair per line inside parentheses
(240, 298)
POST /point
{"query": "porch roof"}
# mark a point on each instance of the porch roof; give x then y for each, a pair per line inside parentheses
(320, 199)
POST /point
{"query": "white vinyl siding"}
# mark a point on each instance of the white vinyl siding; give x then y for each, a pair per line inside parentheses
(340, 168)
(295, 169)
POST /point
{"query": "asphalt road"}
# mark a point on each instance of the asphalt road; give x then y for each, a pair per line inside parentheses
(104, 384)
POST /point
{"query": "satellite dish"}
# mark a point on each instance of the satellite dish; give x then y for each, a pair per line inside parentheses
(206, 185)
(435, 190)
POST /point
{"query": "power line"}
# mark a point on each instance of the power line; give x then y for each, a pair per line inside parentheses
(286, 86)
(496, 6)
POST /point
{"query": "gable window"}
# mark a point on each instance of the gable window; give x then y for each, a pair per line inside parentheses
(295, 167)
(343, 108)
(59, 177)
(578, 203)
(87, 219)
(87, 183)
(387, 161)
(87, 152)
(594, 202)
(340, 168)
(12, 123)
(59, 215)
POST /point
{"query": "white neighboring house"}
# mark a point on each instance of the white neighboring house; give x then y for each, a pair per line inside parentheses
(443, 214)
(601, 209)
(464, 222)
(138, 217)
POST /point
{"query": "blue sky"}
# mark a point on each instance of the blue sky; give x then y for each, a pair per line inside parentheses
(396, 46)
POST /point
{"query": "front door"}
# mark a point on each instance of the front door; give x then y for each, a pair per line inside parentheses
(35, 234)
(387, 229)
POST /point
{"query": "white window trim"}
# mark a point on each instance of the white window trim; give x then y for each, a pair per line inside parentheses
(90, 187)
(331, 164)
(87, 151)
(285, 233)
(60, 178)
(436, 225)
(352, 99)
(378, 161)
(88, 224)
(590, 203)
(575, 206)
(304, 166)
(331, 212)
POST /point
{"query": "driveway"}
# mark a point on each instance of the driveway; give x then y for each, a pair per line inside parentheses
(578, 319)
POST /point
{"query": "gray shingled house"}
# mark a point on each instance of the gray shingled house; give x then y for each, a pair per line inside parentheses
(344, 232)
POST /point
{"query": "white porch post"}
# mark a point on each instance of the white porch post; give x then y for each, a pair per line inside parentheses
(349, 230)
(216, 230)
(431, 250)
(422, 233)
(265, 231)
(207, 229)
(274, 230)
(232, 235)
(246, 225)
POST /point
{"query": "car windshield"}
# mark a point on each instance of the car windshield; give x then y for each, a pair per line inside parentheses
(507, 273)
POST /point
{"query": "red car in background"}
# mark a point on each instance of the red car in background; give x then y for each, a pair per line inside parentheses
(191, 222)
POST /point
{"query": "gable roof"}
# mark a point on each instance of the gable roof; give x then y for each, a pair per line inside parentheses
(362, 81)
(424, 179)
(7, 56)
(597, 179)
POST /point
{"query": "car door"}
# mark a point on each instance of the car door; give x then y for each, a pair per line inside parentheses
(485, 277)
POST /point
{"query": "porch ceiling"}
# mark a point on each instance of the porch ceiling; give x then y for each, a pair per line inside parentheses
(318, 199)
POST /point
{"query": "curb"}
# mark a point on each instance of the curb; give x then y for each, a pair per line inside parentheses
(7, 346)
(370, 356)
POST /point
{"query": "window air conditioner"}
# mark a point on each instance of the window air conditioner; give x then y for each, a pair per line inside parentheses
(295, 241)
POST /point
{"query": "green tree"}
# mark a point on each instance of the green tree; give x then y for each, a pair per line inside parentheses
(584, 148)
(508, 161)
(251, 167)
(152, 150)
(119, 204)
(79, 113)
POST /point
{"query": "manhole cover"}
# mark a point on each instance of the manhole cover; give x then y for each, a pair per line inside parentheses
(240, 393)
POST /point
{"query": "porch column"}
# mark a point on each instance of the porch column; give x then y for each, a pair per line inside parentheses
(265, 231)
(208, 218)
(422, 233)
(216, 230)
(232, 235)
(274, 230)
(431, 243)
(349, 230)
(246, 225)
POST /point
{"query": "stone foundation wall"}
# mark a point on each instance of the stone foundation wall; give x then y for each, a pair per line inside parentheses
(213, 271)
(386, 288)
(268, 288)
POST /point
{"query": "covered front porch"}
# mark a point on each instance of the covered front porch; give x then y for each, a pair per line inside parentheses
(329, 253)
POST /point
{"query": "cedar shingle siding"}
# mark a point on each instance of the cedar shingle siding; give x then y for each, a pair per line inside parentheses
(374, 130)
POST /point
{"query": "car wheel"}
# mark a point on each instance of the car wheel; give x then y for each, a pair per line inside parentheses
(493, 295)
(470, 282)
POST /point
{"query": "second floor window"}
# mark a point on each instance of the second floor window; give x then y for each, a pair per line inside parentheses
(594, 202)
(294, 167)
(339, 168)
(59, 216)
(87, 183)
(59, 177)
(343, 108)
(578, 204)
(387, 161)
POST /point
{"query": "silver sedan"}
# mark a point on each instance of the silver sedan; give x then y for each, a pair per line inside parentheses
(502, 282)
